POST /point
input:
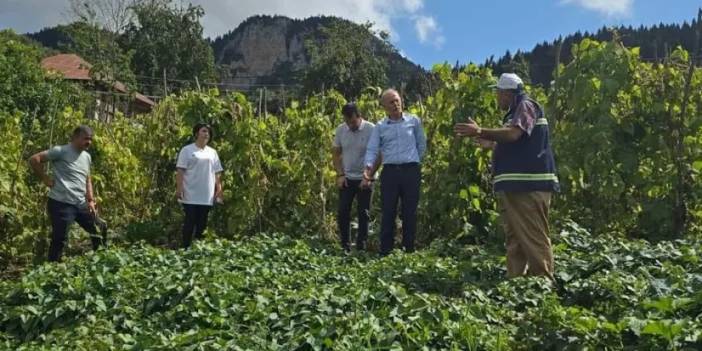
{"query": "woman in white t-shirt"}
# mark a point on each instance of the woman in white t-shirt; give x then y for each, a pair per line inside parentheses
(198, 182)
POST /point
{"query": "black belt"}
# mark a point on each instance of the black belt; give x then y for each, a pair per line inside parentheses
(401, 165)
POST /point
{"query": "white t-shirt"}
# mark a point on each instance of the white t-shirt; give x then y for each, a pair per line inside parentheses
(201, 167)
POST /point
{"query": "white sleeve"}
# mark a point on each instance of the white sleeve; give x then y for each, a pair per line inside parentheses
(217, 167)
(337, 138)
(183, 158)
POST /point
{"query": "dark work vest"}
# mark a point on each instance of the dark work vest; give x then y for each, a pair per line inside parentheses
(526, 164)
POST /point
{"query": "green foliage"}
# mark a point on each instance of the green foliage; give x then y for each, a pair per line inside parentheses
(168, 38)
(30, 101)
(607, 114)
(654, 43)
(15, 205)
(346, 59)
(124, 39)
(618, 121)
(336, 54)
(622, 129)
(454, 205)
(110, 62)
(273, 292)
(24, 86)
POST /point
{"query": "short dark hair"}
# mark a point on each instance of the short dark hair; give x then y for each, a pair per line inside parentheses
(198, 126)
(82, 130)
(349, 110)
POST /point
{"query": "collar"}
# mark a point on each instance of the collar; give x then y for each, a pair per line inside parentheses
(391, 121)
(198, 147)
(348, 129)
(517, 100)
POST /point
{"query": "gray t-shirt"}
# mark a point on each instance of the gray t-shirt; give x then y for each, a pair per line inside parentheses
(71, 169)
(353, 147)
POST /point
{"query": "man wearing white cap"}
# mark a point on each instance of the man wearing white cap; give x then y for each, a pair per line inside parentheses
(524, 176)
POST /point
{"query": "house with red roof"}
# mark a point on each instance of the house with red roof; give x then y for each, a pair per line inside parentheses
(110, 96)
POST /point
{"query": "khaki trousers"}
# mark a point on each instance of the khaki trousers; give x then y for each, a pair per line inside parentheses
(524, 218)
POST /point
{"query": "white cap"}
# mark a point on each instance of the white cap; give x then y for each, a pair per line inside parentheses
(509, 81)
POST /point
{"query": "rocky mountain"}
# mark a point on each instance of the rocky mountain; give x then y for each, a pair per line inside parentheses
(260, 47)
(271, 50)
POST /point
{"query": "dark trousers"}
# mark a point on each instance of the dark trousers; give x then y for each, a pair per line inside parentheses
(346, 196)
(195, 222)
(399, 182)
(62, 215)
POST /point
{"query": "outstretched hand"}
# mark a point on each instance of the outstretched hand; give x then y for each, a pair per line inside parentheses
(468, 129)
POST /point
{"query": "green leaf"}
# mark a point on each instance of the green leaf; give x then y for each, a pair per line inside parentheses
(33, 309)
(475, 203)
(101, 305)
(474, 190)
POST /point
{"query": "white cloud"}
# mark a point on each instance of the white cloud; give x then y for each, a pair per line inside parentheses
(609, 8)
(404, 54)
(222, 16)
(428, 31)
(413, 5)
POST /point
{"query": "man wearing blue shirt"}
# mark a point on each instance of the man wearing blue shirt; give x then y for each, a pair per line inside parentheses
(400, 140)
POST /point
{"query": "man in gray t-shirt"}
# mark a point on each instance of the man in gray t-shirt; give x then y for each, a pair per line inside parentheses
(349, 150)
(71, 190)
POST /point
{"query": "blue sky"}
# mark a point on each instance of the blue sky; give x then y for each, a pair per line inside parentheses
(474, 30)
(427, 31)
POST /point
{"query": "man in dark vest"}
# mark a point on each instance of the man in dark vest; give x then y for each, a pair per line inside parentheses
(524, 173)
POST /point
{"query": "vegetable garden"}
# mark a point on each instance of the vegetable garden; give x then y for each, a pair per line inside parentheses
(629, 149)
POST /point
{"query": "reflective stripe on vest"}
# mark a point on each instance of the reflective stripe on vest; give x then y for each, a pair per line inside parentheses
(541, 122)
(533, 177)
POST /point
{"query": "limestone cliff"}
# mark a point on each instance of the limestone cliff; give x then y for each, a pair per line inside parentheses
(265, 49)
